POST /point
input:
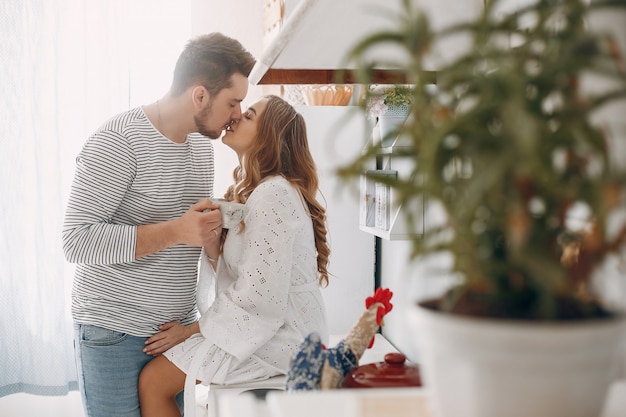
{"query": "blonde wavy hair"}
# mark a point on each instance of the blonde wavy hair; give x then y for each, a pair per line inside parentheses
(282, 148)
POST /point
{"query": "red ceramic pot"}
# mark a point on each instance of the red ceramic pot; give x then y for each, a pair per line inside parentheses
(393, 372)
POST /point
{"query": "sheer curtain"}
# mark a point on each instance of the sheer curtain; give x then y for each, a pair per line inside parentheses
(65, 67)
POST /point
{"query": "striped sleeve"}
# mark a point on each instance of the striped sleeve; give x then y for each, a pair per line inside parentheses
(105, 169)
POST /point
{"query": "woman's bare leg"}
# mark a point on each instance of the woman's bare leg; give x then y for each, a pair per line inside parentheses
(159, 382)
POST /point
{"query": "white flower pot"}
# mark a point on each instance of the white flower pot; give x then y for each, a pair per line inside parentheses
(390, 121)
(474, 367)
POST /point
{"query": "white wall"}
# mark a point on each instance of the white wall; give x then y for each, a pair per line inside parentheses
(336, 135)
(242, 20)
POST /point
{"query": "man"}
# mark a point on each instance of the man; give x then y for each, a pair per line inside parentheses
(138, 214)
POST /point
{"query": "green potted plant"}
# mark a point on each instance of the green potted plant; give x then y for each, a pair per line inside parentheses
(512, 147)
(389, 106)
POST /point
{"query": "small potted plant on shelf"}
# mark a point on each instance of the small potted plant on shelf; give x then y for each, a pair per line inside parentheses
(389, 105)
(514, 147)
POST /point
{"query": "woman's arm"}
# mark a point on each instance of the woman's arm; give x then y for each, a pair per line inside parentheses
(170, 335)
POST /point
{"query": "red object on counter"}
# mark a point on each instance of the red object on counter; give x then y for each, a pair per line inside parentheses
(393, 372)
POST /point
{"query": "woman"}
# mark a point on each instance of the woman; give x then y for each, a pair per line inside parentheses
(268, 274)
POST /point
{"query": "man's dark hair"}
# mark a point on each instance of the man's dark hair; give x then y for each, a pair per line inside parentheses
(210, 60)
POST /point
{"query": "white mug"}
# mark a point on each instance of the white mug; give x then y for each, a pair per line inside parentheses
(232, 212)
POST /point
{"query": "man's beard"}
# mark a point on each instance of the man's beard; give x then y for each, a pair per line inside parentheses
(205, 113)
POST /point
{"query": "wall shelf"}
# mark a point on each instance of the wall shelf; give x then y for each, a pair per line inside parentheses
(380, 215)
(387, 234)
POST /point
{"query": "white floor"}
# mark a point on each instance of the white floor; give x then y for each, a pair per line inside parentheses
(26, 405)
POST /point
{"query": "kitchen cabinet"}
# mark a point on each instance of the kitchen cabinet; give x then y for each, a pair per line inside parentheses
(315, 35)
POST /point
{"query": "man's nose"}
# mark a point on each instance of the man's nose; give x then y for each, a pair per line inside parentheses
(236, 114)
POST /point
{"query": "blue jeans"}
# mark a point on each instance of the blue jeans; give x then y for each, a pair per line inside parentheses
(108, 365)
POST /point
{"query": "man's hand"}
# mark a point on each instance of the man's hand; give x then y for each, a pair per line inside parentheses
(201, 225)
